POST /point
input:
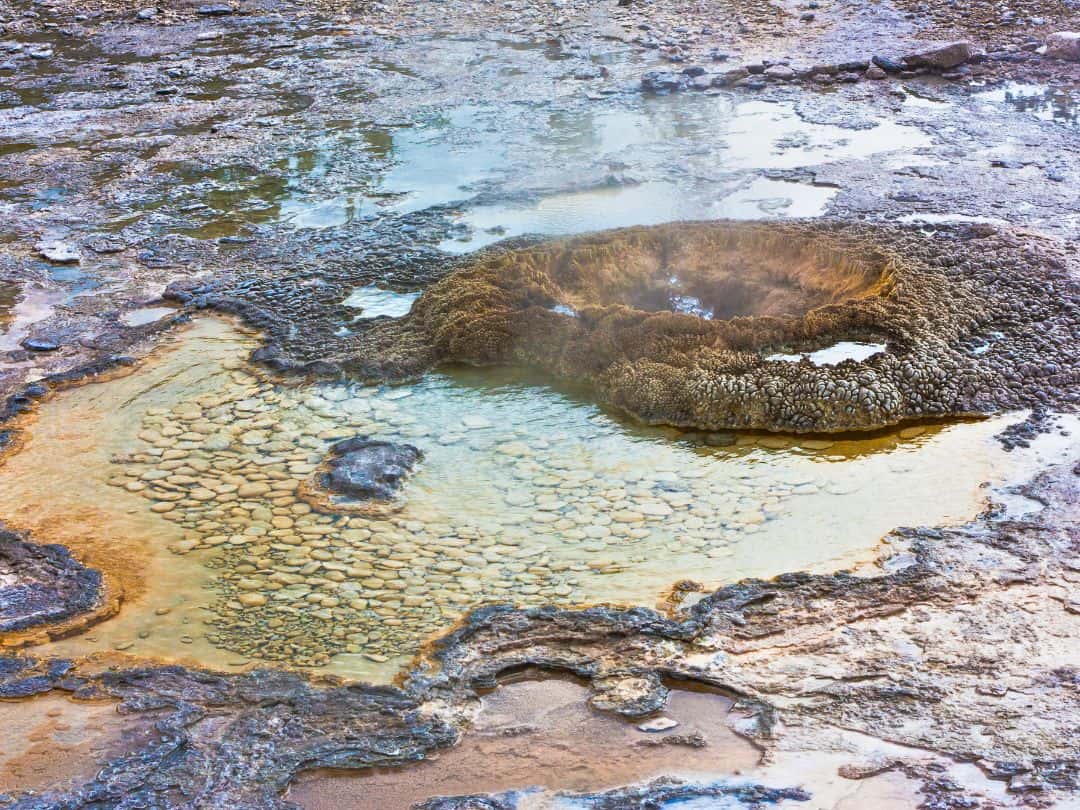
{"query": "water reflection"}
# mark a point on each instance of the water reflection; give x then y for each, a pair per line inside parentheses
(1060, 104)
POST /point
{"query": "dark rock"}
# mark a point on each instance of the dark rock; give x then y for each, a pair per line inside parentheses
(40, 345)
(887, 64)
(667, 792)
(215, 10)
(475, 802)
(368, 468)
(26, 687)
(42, 584)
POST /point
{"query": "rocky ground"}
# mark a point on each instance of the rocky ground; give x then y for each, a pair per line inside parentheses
(265, 159)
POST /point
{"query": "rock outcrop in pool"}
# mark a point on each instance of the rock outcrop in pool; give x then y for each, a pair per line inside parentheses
(42, 585)
(367, 469)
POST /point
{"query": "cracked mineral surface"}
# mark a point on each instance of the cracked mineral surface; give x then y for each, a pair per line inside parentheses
(714, 364)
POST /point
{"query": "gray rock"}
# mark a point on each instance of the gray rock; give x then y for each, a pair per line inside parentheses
(780, 72)
(941, 57)
(1064, 45)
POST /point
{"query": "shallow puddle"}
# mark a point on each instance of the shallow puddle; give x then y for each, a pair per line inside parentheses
(184, 481)
(54, 741)
(20, 308)
(145, 315)
(729, 139)
(9, 297)
(373, 302)
(837, 353)
(618, 206)
(497, 178)
(539, 737)
(768, 197)
(537, 741)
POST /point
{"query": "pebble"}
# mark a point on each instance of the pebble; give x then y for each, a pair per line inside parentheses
(912, 431)
(658, 724)
(654, 509)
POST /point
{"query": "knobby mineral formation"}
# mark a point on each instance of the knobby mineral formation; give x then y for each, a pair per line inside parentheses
(675, 323)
